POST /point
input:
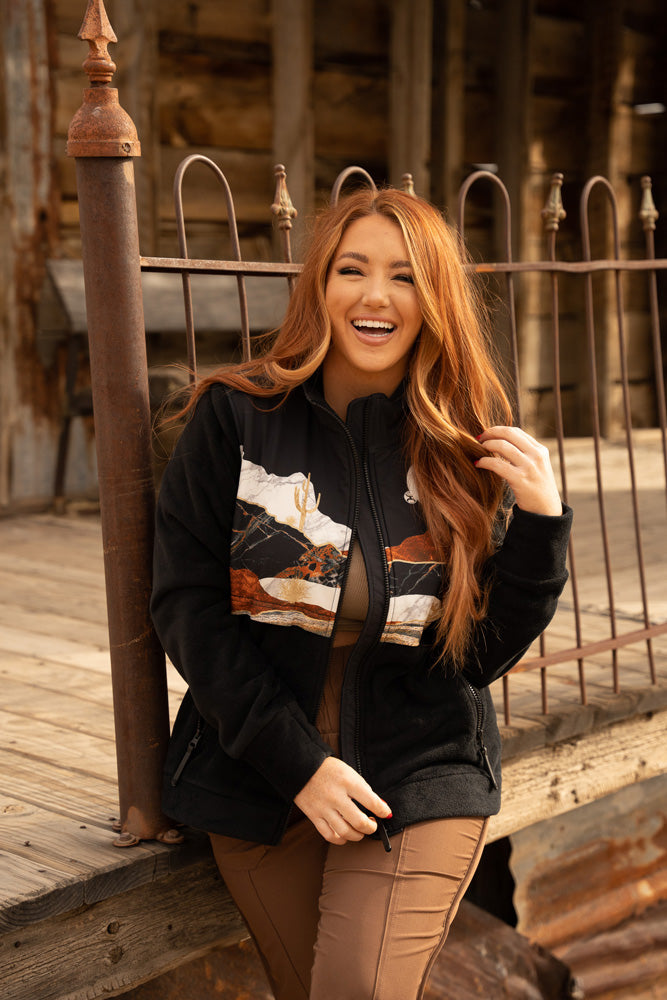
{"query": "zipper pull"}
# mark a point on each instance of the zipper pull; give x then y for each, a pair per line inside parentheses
(487, 763)
(191, 747)
(384, 836)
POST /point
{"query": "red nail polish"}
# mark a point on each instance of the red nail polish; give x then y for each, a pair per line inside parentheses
(389, 816)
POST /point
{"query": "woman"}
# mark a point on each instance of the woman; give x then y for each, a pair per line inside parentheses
(329, 579)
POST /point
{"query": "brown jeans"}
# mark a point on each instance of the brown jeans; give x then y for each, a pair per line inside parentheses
(351, 922)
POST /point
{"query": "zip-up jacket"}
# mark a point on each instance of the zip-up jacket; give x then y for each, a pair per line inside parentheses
(257, 513)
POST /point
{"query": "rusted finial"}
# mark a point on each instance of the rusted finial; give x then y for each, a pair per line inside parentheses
(97, 31)
(100, 127)
(553, 212)
(648, 213)
(407, 184)
(282, 206)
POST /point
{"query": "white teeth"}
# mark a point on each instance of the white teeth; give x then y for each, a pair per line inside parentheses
(373, 324)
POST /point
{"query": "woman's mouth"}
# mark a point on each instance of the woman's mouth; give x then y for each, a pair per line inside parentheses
(373, 327)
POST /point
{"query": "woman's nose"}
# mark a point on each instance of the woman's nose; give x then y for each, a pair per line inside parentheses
(375, 293)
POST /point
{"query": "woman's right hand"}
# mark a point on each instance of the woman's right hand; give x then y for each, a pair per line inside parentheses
(329, 800)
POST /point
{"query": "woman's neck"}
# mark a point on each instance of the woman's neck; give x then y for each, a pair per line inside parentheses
(339, 392)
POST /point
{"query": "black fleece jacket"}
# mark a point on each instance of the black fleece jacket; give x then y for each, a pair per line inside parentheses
(257, 512)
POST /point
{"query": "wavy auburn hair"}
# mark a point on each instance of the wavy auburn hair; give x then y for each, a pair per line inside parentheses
(453, 389)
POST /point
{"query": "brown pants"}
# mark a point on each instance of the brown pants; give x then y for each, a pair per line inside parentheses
(351, 922)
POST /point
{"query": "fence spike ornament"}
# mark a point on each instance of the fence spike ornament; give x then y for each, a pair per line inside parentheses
(407, 184)
(648, 213)
(100, 127)
(282, 206)
(553, 212)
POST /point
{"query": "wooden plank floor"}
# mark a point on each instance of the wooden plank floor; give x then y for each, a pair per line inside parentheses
(58, 789)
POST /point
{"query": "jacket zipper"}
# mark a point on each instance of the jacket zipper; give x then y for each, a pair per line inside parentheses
(384, 836)
(479, 709)
(190, 749)
(385, 610)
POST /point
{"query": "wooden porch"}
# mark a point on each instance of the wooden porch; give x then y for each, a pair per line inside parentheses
(82, 918)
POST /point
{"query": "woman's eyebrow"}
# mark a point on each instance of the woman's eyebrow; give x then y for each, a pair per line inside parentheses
(353, 255)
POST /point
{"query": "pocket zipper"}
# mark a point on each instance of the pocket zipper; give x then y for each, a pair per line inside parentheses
(480, 733)
(190, 749)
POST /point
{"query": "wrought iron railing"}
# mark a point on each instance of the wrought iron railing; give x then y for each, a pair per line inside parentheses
(103, 140)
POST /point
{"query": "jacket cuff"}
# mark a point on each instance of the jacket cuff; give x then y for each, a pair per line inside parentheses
(535, 545)
(287, 754)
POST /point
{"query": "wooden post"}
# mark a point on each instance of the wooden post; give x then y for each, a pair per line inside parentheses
(449, 17)
(410, 103)
(29, 399)
(293, 125)
(604, 31)
(514, 103)
(136, 22)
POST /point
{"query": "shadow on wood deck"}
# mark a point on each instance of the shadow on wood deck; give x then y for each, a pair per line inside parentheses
(79, 917)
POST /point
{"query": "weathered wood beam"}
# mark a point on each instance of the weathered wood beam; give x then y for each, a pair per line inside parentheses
(28, 397)
(556, 779)
(604, 136)
(514, 107)
(136, 25)
(449, 21)
(293, 125)
(112, 945)
(410, 101)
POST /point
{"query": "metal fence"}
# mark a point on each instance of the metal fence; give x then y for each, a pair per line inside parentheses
(103, 140)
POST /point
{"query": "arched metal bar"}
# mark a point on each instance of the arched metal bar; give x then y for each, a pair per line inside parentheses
(182, 244)
(344, 176)
(473, 178)
(590, 331)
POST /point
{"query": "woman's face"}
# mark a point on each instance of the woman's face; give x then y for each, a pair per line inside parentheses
(372, 304)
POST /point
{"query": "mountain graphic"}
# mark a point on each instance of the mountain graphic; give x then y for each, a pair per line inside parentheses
(275, 549)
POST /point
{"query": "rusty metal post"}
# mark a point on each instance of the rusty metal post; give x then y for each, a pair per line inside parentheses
(103, 139)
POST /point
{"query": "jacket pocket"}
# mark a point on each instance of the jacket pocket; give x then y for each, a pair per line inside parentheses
(478, 705)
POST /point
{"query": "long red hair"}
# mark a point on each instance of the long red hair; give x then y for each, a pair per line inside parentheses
(453, 389)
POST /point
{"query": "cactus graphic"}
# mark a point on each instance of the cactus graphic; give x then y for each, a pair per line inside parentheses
(301, 501)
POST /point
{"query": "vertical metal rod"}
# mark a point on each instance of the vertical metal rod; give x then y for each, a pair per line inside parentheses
(553, 214)
(285, 212)
(595, 412)
(627, 412)
(649, 215)
(103, 140)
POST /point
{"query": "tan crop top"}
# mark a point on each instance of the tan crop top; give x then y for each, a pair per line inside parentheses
(354, 599)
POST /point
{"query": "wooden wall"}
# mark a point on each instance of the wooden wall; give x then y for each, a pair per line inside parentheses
(432, 86)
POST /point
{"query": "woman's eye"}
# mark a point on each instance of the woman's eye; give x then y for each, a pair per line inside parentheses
(348, 270)
(405, 277)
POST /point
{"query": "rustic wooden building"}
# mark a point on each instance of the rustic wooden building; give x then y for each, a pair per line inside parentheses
(437, 88)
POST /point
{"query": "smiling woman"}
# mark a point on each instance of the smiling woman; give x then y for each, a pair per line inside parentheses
(329, 580)
(374, 311)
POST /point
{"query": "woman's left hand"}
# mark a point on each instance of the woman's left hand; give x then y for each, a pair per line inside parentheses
(526, 466)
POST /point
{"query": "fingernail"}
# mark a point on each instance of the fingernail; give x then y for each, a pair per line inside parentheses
(389, 816)
(476, 463)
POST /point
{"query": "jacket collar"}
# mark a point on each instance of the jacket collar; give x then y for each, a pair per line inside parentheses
(381, 418)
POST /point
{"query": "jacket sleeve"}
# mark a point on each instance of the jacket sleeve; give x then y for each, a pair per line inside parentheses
(528, 574)
(234, 687)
